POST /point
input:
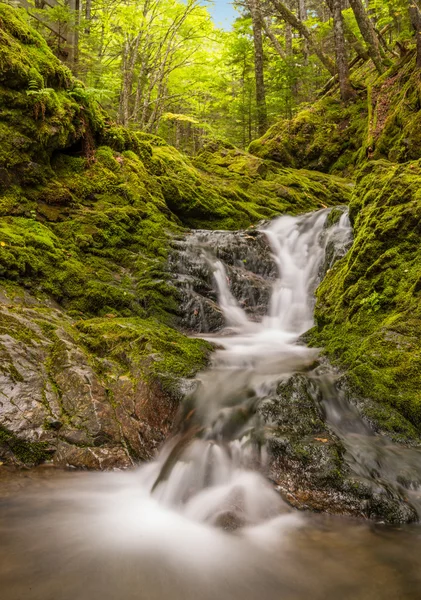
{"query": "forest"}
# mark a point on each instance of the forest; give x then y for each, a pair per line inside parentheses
(165, 68)
(210, 299)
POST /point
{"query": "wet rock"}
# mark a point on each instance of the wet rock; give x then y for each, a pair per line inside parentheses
(314, 462)
(229, 521)
(59, 403)
(249, 270)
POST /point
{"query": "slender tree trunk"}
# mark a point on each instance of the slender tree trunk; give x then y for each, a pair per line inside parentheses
(274, 40)
(250, 119)
(295, 23)
(288, 39)
(415, 16)
(73, 35)
(368, 33)
(259, 68)
(341, 55)
(88, 16)
(302, 15)
(125, 92)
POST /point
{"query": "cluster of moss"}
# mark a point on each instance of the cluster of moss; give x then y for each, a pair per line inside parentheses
(93, 239)
(394, 129)
(160, 352)
(369, 305)
(384, 121)
(26, 452)
(325, 137)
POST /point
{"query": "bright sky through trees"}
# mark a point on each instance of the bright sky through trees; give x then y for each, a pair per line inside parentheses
(223, 13)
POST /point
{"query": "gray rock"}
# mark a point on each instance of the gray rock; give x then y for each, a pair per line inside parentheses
(58, 403)
(314, 459)
(250, 271)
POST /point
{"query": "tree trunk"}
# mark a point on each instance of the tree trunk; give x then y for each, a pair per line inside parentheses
(290, 18)
(368, 33)
(88, 16)
(125, 85)
(341, 55)
(274, 40)
(288, 39)
(415, 16)
(351, 37)
(73, 35)
(302, 15)
(259, 68)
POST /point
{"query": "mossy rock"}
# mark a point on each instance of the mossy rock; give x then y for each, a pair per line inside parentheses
(368, 309)
(325, 137)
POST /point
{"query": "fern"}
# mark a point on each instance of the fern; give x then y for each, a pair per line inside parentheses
(42, 98)
(43, 93)
(87, 94)
(36, 80)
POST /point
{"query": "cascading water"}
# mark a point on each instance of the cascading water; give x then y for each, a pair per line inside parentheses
(208, 469)
(202, 521)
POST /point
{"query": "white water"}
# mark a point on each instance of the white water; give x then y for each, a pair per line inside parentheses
(214, 476)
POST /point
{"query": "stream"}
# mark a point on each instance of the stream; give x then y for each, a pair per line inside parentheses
(204, 520)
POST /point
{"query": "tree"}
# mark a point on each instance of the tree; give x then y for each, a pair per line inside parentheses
(288, 16)
(415, 17)
(347, 92)
(368, 33)
(258, 66)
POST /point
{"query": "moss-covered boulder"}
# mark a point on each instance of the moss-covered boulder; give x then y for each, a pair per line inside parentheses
(383, 122)
(326, 137)
(369, 305)
(95, 393)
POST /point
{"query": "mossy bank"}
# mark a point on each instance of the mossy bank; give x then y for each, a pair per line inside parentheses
(369, 305)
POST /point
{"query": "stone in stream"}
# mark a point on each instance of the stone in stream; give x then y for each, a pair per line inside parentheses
(250, 270)
(309, 462)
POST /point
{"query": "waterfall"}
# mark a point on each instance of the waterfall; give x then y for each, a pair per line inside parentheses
(211, 469)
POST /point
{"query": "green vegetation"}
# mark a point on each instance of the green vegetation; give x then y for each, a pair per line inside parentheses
(88, 206)
(88, 209)
(26, 452)
(91, 196)
(369, 305)
(158, 351)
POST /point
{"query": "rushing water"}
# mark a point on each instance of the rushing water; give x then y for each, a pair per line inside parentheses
(201, 521)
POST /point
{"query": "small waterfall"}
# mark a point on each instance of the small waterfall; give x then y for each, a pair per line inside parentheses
(211, 469)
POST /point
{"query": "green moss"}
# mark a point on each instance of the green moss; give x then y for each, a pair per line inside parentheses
(369, 305)
(325, 137)
(384, 122)
(157, 350)
(25, 452)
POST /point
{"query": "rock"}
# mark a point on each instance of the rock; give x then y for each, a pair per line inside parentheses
(61, 403)
(313, 461)
(250, 272)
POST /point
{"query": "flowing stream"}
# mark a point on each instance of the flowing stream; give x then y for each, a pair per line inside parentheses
(202, 521)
